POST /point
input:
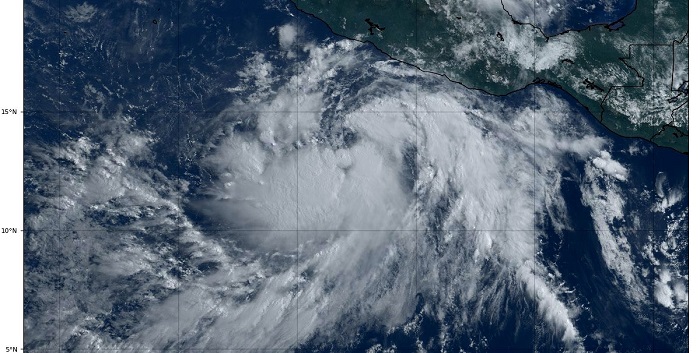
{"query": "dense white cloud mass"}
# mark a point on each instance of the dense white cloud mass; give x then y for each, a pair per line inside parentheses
(366, 177)
(287, 35)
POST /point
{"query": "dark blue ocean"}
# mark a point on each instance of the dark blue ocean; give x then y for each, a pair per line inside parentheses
(580, 14)
(215, 41)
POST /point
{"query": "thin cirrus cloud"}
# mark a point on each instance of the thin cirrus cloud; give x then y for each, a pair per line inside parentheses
(357, 180)
(484, 160)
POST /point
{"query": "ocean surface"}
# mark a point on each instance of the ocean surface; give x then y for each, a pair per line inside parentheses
(245, 179)
(563, 16)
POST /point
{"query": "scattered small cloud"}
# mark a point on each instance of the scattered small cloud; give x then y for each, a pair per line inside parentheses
(81, 13)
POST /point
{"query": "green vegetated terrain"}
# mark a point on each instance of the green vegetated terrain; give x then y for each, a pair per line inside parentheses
(631, 75)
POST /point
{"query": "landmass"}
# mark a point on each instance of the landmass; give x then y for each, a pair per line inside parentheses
(631, 74)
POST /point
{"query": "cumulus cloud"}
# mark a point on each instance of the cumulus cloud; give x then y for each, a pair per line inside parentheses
(523, 11)
(670, 292)
(81, 13)
(605, 163)
(556, 49)
(389, 168)
(320, 210)
(662, 291)
(101, 185)
(667, 195)
(287, 37)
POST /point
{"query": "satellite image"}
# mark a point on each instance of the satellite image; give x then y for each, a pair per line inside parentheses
(356, 176)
